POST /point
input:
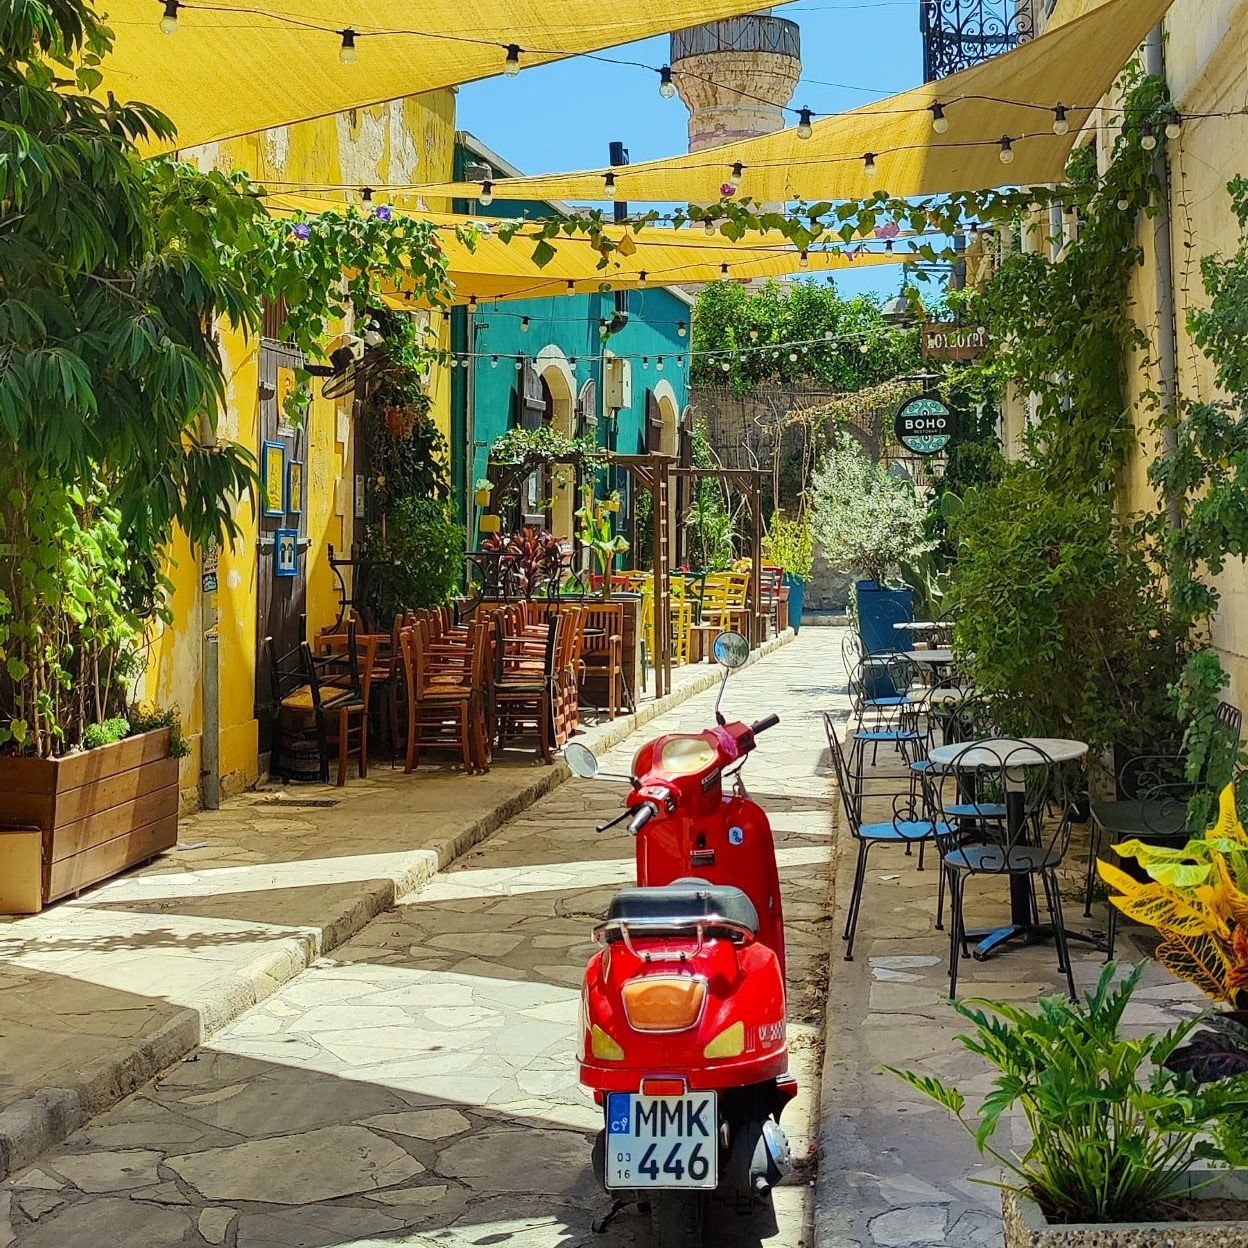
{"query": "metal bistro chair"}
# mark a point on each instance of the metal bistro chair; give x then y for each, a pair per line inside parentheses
(907, 826)
(1153, 795)
(1015, 805)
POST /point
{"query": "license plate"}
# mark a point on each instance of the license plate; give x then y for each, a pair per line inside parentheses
(662, 1141)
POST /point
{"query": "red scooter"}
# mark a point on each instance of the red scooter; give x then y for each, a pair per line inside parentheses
(683, 1013)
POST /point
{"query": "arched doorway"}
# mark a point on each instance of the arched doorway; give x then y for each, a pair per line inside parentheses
(559, 389)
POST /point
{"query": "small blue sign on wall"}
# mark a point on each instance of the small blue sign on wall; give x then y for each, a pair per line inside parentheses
(286, 554)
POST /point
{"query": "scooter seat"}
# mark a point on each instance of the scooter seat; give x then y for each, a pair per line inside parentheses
(684, 903)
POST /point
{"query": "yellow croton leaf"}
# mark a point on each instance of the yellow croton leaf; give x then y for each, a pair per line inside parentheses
(1199, 960)
(1223, 896)
(1159, 905)
(1228, 826)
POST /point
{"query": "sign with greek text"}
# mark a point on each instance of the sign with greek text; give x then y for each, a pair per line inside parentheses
(954, 344)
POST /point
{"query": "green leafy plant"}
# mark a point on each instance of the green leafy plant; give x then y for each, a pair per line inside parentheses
(1113, 1128)
(151, 719)
(597, 529)
(790, 544)
(1060, 614)
(416, 556)
(866, 519)
(527, 563)
(107, 733)
(521, 452)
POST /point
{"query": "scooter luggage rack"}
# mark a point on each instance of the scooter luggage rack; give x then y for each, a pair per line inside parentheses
(656, 927)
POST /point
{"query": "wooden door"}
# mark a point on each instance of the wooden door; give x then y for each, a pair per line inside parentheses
(531, 413)
(281, 601)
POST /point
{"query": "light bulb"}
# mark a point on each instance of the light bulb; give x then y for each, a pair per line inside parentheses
(511, 66)
(1123, 205)
(709, 226)
(486, 197)
(347, 53)
(472, 303)
(169, 23)
(667, 88)
(792, 357)
(1061, 123)
(609, 182)
(524, 324)
(727, 366)
(804, 129)
(682, 329)
(753, 335)
(738, 172)
(1149, 141)
(645, 361)
(804, 260)
(658, 364)
(1174, 127)
(723, 270)
(868, 162)
(940, 123)
(494, 361)
(519, 365)
(1007, 150)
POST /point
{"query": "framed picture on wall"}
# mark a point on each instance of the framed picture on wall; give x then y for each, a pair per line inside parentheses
(286, 555)
(273, 478)
(294, 487)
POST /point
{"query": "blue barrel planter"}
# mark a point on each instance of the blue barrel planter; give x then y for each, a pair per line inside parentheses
(879, 608)
(797, 600)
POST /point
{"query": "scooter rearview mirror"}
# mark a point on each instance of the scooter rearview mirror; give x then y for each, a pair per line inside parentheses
(582, 760)
(731, 650)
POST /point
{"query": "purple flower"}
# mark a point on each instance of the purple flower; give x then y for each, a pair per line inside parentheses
(301, 229)
(727, 190)
(890, 230)
(383, 212)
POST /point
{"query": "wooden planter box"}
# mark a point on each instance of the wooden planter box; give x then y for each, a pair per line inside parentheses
(1027, 1227)
(98, 812)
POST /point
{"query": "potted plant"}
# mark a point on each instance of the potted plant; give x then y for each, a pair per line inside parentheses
(416, 558)
(871, 522)
(1116, 1132)
(597, 532)
(790, 545)
(525, 562)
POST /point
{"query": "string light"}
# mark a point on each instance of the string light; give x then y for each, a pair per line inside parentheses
(1149, 141)
(519, 365)
(1007, 150)
(1174, 127)
(735, 177)
(511, 66)
(658, 364)
(472, 303)
(347, 53)
(169, 23)
(641, 277)
(727, 366)
(710, 227)
(366, 194)
(792, 357)
(804, 128)
(571, 287)
(723, 269)
(645, 361)
(667, 88)
(940, 123)
(486, 197)
(524, 324)
(753, 335)
(1123, 205)
(609, 183)
(681, 329)
(868, 162)
(1061, 123)
(804, 260)
(493, 361)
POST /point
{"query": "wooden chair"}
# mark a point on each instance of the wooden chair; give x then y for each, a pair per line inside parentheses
(290, 695)
(338, 683)
(681, 607)
(771, 582)
(445, 693)
(603, 655)
(526, 684)
(724, 602)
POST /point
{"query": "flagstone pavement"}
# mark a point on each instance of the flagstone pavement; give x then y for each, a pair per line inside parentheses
(417, 1086)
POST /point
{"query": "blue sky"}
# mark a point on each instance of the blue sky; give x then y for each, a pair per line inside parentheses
(562, 116)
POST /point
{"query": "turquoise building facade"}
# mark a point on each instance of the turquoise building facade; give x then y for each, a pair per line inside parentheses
(531, 361)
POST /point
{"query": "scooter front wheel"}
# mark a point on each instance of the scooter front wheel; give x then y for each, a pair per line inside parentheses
(678, 1218)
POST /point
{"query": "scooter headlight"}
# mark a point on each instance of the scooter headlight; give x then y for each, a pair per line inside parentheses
(685, 756)
(664, 1002)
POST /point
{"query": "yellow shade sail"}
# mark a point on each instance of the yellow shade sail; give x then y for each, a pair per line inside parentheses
(891, 145)
(235, 67)
(494, 269)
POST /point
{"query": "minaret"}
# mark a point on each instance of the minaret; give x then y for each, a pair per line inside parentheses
(736, 76)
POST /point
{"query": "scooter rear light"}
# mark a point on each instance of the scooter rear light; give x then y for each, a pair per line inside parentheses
(603, 1046)
(663, 1087)
(664, 1002)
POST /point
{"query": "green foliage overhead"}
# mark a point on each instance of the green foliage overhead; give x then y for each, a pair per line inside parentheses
(1113, 1130)
(728, 315)
(866, 519)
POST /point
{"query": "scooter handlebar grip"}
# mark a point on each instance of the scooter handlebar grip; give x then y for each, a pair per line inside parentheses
(641, 818)
(768, 721)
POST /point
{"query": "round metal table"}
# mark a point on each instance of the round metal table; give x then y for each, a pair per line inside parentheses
(1015, 754)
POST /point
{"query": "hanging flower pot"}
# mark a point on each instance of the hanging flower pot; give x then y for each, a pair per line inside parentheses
(400, 420)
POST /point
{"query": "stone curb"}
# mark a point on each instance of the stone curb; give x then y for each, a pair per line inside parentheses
(31, 1126)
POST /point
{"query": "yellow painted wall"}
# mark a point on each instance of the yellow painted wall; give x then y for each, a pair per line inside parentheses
(405, 141)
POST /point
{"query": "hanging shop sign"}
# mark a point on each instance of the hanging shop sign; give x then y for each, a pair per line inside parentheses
(954, 344)
(924, 425)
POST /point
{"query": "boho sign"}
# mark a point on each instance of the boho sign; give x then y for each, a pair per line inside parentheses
(954, 344)
(924, 425)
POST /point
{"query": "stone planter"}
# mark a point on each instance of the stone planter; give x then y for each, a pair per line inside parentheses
(1027, 1227)
(98, 812)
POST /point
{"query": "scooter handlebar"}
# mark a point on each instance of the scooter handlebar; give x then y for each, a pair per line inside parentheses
(761, 725)
(642, 817)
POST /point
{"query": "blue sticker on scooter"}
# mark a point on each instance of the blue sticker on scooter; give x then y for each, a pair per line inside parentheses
(619, 1113)
(736, 836)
